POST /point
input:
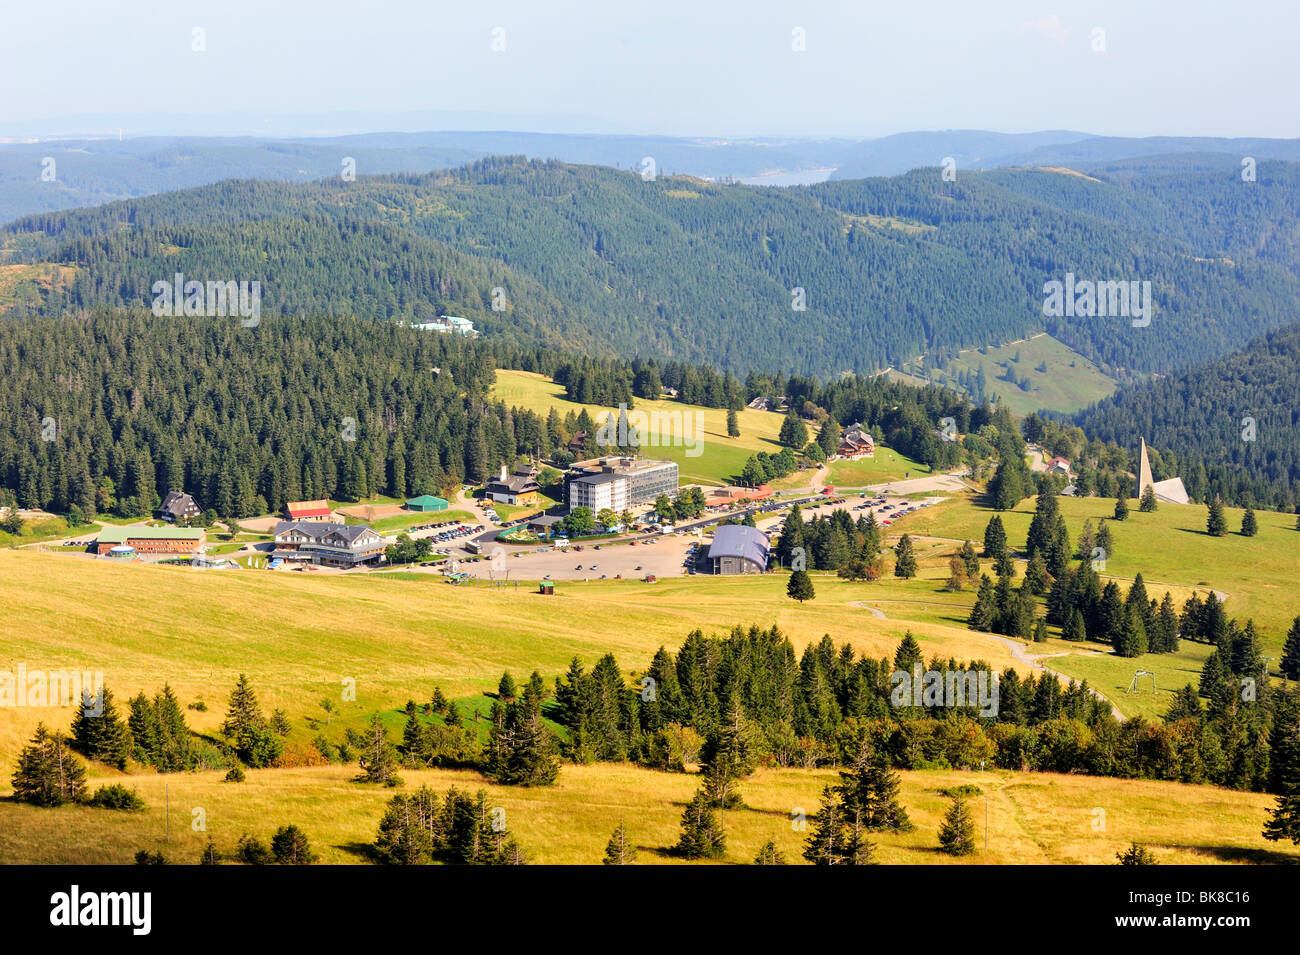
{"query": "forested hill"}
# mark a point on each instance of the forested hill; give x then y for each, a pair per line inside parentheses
(609, 263)
(106, 410)
(1200, 415)
(109, 411)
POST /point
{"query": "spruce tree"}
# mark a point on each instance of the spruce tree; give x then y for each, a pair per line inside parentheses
(838, 836)
(289, 846)
(1136, 855)
(1186, 704)
(1148, 502)
(1166, 628)
(1290, 664)
(521, 747)
(908, 653)
(791, 542)
(1215, 524)
(1121, 508)
(506, 689)
(794, 433)
(246, 728)
(1105, 541)
(983, 614)
(702, 836)
(905, 563)
(98, 731)
(1074, 627)
(825, 844)
(995, 538)
(1036, 580)
(1006, 490)
(733, 424)
(1132, 640)
(1214, 676)
(1004, 566)
(957, 834)
(48, 773)
(800, 586)
(620, 850)
(1249, 525)
(769, 855)
(379, 757)
(869, 793)
(971, 561)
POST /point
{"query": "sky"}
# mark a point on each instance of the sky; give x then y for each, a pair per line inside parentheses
(699, 68)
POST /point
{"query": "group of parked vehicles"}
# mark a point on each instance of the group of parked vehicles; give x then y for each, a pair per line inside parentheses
(454, 532)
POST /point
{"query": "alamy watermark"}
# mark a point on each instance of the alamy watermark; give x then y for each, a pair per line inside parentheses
(40, 688)
(1088, 299)
(934, 688)
(211, 299)
(640, 429)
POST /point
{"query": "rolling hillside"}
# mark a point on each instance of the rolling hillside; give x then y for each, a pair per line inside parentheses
(1028, 375)
(604, 261)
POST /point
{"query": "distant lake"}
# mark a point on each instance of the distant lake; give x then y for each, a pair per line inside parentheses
(787, 177)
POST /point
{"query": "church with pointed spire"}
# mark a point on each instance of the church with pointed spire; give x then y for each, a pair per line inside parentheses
(1169, 491)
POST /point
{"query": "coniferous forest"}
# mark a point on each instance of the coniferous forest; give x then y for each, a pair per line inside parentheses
(847, 275)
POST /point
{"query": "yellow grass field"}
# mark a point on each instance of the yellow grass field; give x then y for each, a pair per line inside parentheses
(1034, 818)
(298, 636)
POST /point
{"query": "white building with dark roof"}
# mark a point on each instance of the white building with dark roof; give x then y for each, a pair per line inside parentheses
(178, 506)
(333, 545)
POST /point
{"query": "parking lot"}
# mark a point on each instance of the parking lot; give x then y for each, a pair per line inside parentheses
(660, 555)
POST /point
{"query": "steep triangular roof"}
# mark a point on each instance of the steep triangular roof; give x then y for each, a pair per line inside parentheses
(1144, 468)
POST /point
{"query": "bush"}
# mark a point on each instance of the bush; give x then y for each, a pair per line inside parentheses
(673, 746)
(300, 754)
(253, 851)
(208, 756)
(236, 775)
(116, 796)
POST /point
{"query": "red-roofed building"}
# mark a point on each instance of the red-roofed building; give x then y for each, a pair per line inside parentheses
(308, 511)
(737, 495)
(1059, 466)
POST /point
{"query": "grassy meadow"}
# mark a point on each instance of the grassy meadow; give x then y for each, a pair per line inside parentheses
(1037, 818)
(721, 458)
(298, 636)
(1067, 383)
(1169, 547)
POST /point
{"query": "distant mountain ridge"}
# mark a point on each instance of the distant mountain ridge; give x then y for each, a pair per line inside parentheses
(89, 171)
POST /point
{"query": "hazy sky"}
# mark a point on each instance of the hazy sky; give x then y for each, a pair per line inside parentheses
(702, 67)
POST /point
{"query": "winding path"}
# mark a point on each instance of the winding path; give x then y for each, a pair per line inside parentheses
(1018, 653)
